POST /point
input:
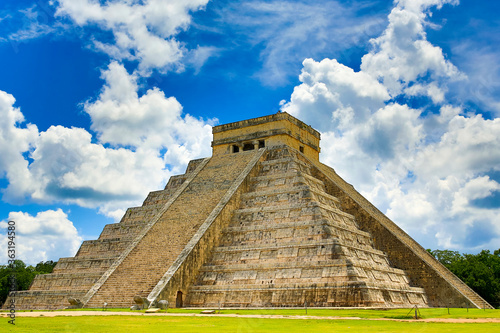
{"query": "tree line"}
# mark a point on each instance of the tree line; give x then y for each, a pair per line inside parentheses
(24, 275)
(481, 271)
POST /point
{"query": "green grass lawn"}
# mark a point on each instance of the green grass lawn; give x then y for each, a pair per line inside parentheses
(219, 324)
(366, 313)
(289, 325)
(360, 313)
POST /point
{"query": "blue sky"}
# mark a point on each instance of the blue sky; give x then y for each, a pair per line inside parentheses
(102, 101)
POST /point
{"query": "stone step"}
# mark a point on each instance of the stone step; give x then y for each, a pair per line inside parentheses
(141, 214)
(109, 247)
(322, 246)
(297, 265)
(297, 208)
(305, 286)
(341, 294)
(238, 228)
(271, 162)
(302, 233)
(122, 230)
(299, 273)
(290, 213)
(303, 251)
(76, 265)
(290, 178)
(45, 299)
(63, 281)
(298, 193)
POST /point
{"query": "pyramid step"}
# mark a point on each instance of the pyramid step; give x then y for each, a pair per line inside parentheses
(239, 228)
(62, 281)
(247, 217)
(76, 264)
(345, 294)
(287, 194)
(299, 272)
(298, 286)
(141, 213)
(297, 265)
(286, 179)
(45, 299)
(299, 233)
(98, 247)
(123, 230)
(323, 245)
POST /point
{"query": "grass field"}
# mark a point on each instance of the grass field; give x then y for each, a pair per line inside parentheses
(359, 313)
(366, 313)
(217, 324)
(240, 324)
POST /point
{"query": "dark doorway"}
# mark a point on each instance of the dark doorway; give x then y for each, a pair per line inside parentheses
(178, 300)
(248, 146)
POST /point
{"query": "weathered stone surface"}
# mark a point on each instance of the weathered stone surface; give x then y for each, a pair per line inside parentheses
(163, 304)
(262, 223)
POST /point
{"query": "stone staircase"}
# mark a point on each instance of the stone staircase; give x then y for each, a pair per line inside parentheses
(290, 243)
(150, 257)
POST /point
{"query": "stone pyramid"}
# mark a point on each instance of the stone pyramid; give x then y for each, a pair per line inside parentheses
(262, 223)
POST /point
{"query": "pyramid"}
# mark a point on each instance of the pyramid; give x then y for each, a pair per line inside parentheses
(261, 223)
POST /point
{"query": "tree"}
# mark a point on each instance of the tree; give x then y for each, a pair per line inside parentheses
(24, 275)
(45, 267)
(479, 271)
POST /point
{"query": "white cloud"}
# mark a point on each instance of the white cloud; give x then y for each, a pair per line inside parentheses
(481, 64)
(469, 145)
(14, 140)
(402, 55)
(198, 57)
(151, 121)
(142, 30)
(142, 141)
(47, 235)
(433, 172)
(347, 95)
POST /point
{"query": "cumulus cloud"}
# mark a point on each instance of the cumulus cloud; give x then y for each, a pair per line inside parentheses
(141, 141)
(14, 140)
(327, 85)
(47, 235)
(150, 122)
(143, 31)
(402, 56)
(432, 168)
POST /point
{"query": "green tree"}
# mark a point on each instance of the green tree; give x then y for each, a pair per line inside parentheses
(24, 275)
(479, 271)
(45, 267)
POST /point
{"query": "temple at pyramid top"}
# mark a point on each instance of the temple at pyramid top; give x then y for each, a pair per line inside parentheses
(273, 130)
